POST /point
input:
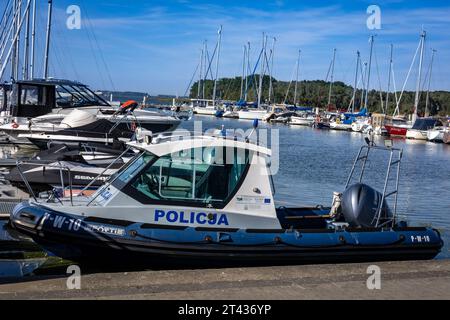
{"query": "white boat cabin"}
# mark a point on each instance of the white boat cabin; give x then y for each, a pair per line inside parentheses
(202, 181)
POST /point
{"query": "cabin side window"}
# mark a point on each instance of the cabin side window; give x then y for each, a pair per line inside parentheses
(201, 175)
(31, 95)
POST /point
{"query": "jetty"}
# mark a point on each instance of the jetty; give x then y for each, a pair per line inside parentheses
(398, 280)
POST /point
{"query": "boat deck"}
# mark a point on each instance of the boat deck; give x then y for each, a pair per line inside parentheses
(399, 280)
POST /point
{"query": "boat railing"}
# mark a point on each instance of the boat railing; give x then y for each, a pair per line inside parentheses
(58, 165)
(168, 136)
(395, 157)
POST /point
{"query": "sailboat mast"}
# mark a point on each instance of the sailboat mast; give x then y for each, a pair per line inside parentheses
(429, 84)
(271, 69)
(363, 77)
(332, 77)
(372, 38)
(296, 79)
(47, 42)
(217, 65)
(200, 74)
(33, 39)
(355, 88)
(17, 50)
(247, 73)
(262, 69)
(26, 47)
(389, 79)
(419, 76)
(13, 43)
(244, 62)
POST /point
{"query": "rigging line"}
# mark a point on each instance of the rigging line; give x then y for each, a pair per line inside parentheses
(4, 37)
(102, 57)
(4, 12)
(192, 79)
(94, 54)
(67, 53)
(210, 61)
(60, 52)
(290, 83)
(407, 77)
(379, 80)
(56, 53)
(328, 72)
(425, 80)
(253, 78)
(395, 85)
(207, 59)
(5, 19)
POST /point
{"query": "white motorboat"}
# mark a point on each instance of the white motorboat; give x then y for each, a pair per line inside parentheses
(302, 120)
(252, 114)
(206, 107)
(231, 114)
(41, 106)
(340, 126)
(419, 131)
(361, 125)
(436, 134)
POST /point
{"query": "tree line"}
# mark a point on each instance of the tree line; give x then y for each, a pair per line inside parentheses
(315, 94)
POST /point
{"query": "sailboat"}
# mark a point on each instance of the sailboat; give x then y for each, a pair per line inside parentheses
(209, 107)
(258, 113)
(419, 130)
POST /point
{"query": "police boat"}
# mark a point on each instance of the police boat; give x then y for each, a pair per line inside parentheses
(209, 200)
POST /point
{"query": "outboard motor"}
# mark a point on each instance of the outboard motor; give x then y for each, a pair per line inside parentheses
(360, 204)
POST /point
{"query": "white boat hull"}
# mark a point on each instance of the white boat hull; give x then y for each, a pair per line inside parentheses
(340, 126)
(252, 115)
(301, 121)
(206, 111)
(416, 134)
(435, 135)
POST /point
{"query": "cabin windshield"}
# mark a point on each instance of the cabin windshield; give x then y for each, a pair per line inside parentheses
(72, 96)
(198, 176)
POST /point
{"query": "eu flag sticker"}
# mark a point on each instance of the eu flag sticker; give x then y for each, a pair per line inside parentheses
(267, 201)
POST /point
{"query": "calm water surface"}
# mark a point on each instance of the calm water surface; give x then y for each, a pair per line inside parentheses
(314, 163)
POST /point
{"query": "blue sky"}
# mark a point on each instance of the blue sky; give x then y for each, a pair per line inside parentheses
(154, 46)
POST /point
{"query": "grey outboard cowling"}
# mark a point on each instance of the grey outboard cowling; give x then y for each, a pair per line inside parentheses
(360, 204)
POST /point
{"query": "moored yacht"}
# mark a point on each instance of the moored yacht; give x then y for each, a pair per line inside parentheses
(41, 106)
(303, 119)
(420, 128)
(252, 113)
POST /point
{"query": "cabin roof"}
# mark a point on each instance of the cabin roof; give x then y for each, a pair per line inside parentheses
(52, 82)
(163, 146)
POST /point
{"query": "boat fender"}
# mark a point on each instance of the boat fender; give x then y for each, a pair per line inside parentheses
(129, 105)
(15, 125)
(336, 208)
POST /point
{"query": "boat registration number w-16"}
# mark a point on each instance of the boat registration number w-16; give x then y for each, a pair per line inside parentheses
(71, 224)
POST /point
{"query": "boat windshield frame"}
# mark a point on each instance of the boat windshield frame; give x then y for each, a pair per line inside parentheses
(81, 93)
(125, 178)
